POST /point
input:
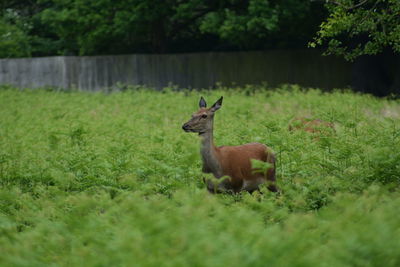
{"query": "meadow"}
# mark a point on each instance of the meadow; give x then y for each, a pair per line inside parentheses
(111, 179)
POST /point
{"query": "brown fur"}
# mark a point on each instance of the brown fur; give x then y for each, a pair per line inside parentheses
(236, 163)
(231, 161)
(310, 125)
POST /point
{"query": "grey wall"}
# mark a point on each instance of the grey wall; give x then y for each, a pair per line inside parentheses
(197, 70)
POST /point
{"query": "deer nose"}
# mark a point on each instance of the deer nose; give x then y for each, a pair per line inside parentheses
(185, 126)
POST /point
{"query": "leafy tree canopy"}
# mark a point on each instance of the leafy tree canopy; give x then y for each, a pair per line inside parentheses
(360, 27)
(14, 42)
(88, 27)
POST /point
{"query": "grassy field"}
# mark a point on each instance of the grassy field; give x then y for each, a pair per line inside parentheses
(93, 179)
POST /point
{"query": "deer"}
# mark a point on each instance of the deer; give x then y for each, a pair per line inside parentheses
(230, 165)
(315, 126)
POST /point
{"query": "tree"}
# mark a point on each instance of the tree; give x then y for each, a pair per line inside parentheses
(106, 26)
(261, 24)
(13, 41)
(360, 27)
(92, 27)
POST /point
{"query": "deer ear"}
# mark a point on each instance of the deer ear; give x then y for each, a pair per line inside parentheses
(217, 105)
(202, 103)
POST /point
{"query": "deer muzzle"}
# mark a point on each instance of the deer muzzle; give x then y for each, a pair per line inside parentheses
(186, 127)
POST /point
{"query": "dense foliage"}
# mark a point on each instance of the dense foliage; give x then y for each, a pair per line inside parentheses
(89, 27)
(13, 41)
(349, 28)
(360, 27)
(111, 179)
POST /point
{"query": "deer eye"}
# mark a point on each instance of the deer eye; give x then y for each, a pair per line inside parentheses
(204, 116)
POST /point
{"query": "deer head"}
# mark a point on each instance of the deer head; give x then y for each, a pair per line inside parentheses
(202, 120)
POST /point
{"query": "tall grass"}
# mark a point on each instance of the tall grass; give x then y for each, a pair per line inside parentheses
(111, 179)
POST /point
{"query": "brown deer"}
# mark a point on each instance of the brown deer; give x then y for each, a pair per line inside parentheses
(316, 126)
(231, 161)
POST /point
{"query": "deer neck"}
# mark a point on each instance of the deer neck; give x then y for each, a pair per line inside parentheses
(208, 153)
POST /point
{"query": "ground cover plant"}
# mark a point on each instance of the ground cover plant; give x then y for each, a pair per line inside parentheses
(110, 179)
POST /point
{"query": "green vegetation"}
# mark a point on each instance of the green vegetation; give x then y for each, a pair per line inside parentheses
(348, 28)
(14, 43)
(101, 179)
(93, 27)
(360, 27)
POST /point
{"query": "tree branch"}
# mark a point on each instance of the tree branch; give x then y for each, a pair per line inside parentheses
(177, 27)
(342, 5)
(359, 4)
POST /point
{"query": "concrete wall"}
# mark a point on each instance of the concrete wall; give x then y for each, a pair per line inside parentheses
(197, 70)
